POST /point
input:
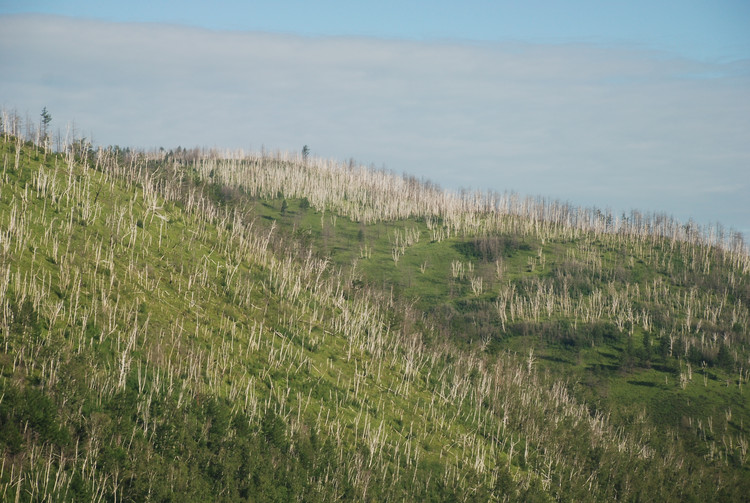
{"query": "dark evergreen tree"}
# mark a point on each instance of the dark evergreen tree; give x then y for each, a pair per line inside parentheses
(724, 358)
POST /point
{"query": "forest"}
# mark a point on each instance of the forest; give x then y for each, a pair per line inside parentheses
(205, 325)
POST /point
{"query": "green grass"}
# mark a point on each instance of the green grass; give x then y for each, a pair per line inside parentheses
(423, 274)
(167, 334)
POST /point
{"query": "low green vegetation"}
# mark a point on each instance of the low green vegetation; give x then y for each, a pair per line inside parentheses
(185, 325)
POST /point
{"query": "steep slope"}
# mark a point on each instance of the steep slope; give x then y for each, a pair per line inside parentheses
(180, 325)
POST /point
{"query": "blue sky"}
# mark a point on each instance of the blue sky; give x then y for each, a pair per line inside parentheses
(612, 104)
(717, 29)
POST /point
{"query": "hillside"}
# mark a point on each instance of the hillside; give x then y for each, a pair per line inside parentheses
(199, 325)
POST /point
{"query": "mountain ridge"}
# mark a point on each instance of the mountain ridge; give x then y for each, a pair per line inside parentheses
(170, 313)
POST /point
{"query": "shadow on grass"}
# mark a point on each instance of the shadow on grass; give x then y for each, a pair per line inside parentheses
(609, 355)
(555, 359)
(599, 368)
(665, 368)
(648, 384)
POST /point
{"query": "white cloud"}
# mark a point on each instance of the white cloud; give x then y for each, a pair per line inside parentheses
(606, 126)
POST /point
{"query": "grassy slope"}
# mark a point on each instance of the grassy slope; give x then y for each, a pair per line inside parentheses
(424, 274)
(172, 337)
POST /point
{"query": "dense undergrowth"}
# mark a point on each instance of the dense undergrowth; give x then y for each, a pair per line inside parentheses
(184, 325)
